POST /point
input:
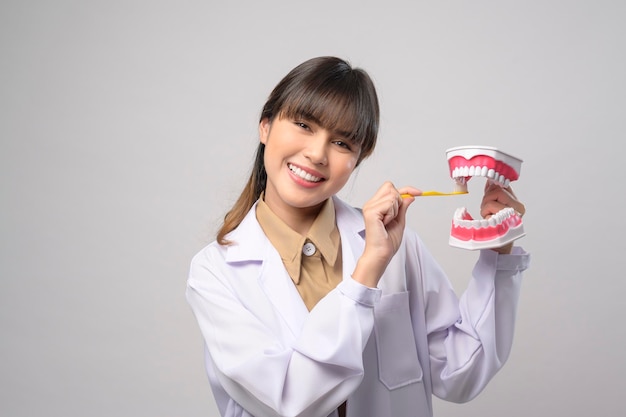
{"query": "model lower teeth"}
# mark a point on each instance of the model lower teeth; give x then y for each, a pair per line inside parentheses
(463, 219)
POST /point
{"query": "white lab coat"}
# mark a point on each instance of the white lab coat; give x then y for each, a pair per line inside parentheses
(386, 350)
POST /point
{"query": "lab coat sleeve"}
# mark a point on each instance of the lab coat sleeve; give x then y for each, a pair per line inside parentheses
(470, 339)
(264, 369)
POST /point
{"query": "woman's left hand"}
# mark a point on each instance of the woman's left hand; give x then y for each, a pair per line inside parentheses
(495, 199)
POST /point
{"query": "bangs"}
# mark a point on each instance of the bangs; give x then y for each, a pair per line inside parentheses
(338, 107)
(335, 112)
(331, 94)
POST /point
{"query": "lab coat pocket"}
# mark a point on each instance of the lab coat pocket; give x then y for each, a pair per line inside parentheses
(398, 362)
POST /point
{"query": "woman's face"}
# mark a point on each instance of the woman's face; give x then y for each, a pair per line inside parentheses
(305, 163)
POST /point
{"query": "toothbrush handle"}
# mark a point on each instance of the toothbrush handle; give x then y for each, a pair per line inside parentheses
(433, 193)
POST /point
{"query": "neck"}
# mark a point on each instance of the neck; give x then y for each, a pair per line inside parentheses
(298, 219)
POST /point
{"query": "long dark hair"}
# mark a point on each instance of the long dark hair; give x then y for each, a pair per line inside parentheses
(325, 89)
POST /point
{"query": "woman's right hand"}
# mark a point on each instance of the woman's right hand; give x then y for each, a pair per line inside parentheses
(385, 218)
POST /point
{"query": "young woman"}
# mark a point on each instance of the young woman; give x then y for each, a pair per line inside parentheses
(310, 307)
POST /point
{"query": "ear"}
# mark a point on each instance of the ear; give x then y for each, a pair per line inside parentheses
(264, 130)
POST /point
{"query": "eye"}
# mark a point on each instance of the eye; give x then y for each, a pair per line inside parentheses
(302, 125)
(343, 144)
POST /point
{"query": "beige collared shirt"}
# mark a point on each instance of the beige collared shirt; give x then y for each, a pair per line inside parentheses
(312, 261)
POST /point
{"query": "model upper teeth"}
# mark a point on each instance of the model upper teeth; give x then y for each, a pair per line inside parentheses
(303, 174)
(475, 171)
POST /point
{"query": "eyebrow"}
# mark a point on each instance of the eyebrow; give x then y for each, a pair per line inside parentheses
(309, 118)
(343, 134)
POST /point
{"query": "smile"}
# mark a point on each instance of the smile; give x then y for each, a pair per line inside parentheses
(503, 227)
(303, 174)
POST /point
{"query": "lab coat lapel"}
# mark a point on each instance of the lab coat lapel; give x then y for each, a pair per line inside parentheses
(281, 291)
(352, 231)
(253, 245)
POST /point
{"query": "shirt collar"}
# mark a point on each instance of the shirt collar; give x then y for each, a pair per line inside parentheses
(323, 233)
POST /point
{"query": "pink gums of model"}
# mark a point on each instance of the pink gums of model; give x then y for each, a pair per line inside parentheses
(498, 167)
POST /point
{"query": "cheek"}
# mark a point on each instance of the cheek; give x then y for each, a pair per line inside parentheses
(351, 164)
(343, 165)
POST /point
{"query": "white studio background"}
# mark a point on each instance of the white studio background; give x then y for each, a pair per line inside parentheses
(127, 129)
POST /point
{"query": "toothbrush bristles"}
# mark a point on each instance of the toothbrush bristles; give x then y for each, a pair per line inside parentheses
(460, 185)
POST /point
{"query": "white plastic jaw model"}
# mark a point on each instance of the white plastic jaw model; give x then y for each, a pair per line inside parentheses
(496, 166)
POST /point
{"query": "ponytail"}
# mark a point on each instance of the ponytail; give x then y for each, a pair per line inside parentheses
(250, 194)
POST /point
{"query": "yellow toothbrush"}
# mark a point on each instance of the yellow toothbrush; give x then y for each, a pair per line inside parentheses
(433, 193)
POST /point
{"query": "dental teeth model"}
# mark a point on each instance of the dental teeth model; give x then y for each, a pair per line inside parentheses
(498, 167)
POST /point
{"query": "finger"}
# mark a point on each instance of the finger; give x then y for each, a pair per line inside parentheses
(490, 208)
(497, 200)
(388, 202)
(383, 205)
(499, 194)
(510, 191)
(407, 192)
(391, 207)
(403, 208)
(385, 189)
(492, 186)
(406, 198)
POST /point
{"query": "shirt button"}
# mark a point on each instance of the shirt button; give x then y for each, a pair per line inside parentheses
(308, 249)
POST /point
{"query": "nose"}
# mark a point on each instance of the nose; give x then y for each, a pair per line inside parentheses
(316, 150)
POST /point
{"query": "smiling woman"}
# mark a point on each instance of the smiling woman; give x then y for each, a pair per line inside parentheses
(305, 166)
(327, 93)
(300, 286)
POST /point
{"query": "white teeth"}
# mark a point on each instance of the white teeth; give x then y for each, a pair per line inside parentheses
(458, 217)
(492, 221)
(478, 171)
(303, 174)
